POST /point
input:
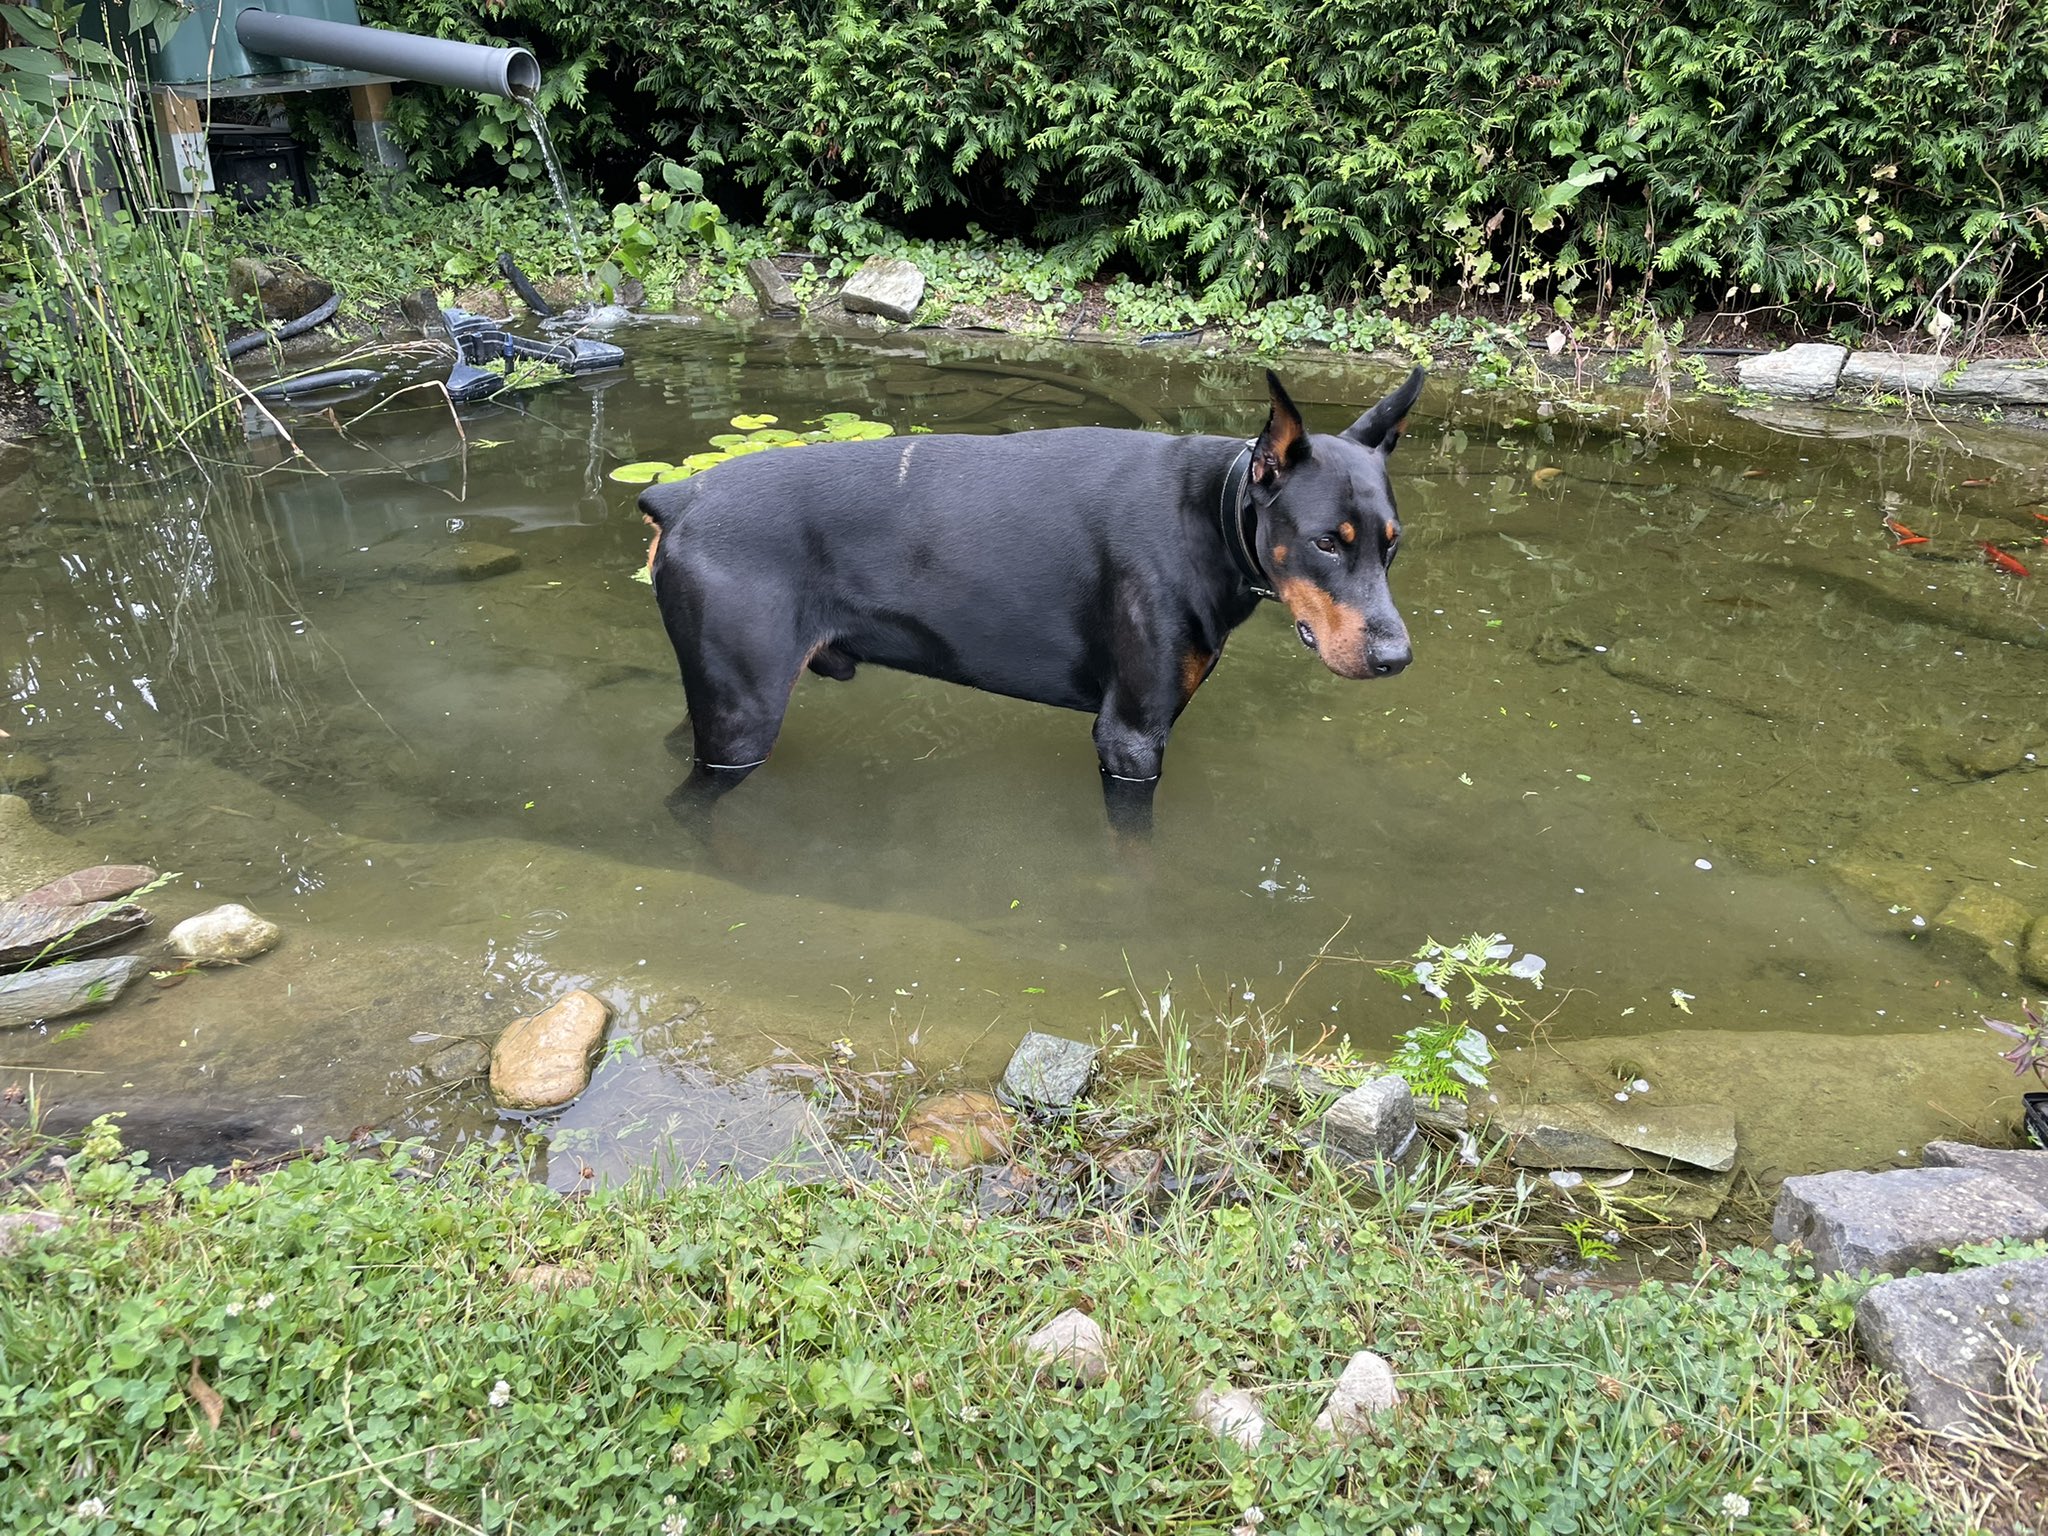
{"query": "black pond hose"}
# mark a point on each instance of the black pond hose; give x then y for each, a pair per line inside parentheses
(318, 383)
(242, 346)
(529, 294)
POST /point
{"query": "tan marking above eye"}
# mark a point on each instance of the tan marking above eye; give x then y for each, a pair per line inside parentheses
(1347, 533)
(1390, 530)
(1279, 552)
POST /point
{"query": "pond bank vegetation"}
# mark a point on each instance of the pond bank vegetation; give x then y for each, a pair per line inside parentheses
(392, 1337)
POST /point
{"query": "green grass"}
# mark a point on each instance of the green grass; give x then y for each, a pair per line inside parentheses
(838, 1355)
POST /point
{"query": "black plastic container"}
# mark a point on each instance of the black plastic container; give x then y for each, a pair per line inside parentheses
(251, 163)
(2037, 1116)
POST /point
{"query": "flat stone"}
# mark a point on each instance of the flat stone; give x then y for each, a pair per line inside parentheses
(1365, 1394)
(1896, 373)
(885, 286)
(2025, 1171)
(1374, 1122)
(1295, 1080)
(459, 1061)
(771, 287)
(1807, 371)
(432, 563)
(59, 991)
(1989, 756)
(544, 1061)
(1888, 1223)
(226, 935)
(103, 882)
(1683, 1195)
(2034, 952)
(960, 1129)
(1134, 1170)
(1950, 1340)
(1998, 382)
(1232, 1415)
(1072, 1344)
(1048, 1072)
(1984, 922)
(1601, 1135)
(1448, 1115)
(22, 770)
(33, 934)
(20, 1228)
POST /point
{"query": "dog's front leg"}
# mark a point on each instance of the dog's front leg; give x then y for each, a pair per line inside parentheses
(1130, 740)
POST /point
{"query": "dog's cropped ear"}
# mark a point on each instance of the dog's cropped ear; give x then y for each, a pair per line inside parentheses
(1381, 426)
(1284, 443)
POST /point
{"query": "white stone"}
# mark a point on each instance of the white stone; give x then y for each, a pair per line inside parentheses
(885, 286)
(223, 936)
(1805, 372)
(1071, 1344)
(1364, 1393)
(1231, 1415)
(19, 1228)
(544, 1061)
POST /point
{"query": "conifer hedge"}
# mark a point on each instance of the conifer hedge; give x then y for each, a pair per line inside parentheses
(1865, 157)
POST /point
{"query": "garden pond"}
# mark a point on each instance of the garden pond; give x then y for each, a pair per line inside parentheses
(1685, 717)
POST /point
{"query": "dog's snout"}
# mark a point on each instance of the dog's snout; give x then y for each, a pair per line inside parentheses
(1386, 660)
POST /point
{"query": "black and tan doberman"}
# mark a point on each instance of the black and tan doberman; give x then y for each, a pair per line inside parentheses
(1087, 567)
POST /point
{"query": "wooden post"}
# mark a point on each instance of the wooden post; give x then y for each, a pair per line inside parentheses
(181, 142)
(371, 107)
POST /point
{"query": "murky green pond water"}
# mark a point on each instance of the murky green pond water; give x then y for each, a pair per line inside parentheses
(1680, 718)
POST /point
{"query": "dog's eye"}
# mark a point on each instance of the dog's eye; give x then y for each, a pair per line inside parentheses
(1327, 544)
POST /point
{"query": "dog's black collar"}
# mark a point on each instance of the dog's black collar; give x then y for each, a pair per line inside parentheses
(1237, 520)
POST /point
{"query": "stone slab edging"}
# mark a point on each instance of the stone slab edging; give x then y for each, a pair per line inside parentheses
(1815, 370)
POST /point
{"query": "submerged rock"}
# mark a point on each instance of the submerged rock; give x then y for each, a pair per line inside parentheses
(224, 936)
(2034, 952)
(457, 1062)
(885, 286)
(59, 991)
(544, 1061)
(1072, 1344)
(1597, 1135)
(30, 853)
(1364, 1394)
(32, 933)
(959, 1128)
(1952, 1339)
(22, 770)
(1233, 1415)
(1983, 922)
(432, 562)
(1047, 1072)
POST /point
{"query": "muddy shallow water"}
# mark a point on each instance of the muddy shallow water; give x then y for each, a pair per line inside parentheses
(1680, 718)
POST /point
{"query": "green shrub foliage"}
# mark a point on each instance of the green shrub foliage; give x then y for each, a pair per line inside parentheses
(1879, 156)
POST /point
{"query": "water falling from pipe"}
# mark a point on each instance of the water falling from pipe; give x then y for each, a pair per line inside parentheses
(537, 124)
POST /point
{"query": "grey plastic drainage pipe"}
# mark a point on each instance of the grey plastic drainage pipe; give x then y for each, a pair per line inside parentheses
(434, 60)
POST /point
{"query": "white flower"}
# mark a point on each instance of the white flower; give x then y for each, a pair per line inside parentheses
(264, 1301)
(1529, 968)
(675, 1525)
(233, 1309)
(91, 1509)
(1734, 1505)
(1498, 948)
(501, 1393)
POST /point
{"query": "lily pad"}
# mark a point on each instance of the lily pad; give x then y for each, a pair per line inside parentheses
(645, 472)
(751, 423)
